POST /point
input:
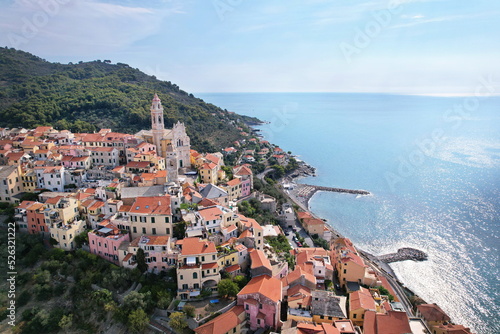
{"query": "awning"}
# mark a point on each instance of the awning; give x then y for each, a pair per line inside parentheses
(194, 293)
(191, 260)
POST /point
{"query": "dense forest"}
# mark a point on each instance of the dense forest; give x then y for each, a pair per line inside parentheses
(88, 96)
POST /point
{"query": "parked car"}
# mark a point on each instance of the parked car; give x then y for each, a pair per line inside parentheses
(294, 229)
(287, 232)
(299, 244)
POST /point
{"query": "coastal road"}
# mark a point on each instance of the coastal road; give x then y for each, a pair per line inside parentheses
(262, 175)
(378, 266)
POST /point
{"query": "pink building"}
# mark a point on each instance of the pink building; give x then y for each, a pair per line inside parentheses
(261, 299)
(159, 254)
(246, 187)
(105, 241)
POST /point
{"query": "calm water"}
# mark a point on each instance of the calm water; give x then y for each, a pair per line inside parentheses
(434, 175)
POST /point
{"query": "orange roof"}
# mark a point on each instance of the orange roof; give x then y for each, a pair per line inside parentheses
(303, 215)
(138, 164)
(126, 258)
(232, 268)
(25, 204)
(233, 182)
(156, 239)
(194, 246)
(53, 200)
(259, 259)
(246, 234)
(313, 221)
(361, 299)
(432, 312)
(393, 322)
(96, 205)
(267, 286)
(154, 205)
(208, 166)
(296, 274)
(209, 265)
(244, 170)
(249, 222)
(212, 213)
(212, 158)
(223, 323)
(206, 201)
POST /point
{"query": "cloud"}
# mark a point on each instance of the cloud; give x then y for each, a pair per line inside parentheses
(77, 27)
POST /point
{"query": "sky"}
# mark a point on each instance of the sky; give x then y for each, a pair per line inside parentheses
(431, 47)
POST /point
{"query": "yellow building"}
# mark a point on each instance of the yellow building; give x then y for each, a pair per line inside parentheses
(227, 256)
(151, 216)
(197, 268)
(350, 266)
(233, 189)
(151, 157)
(10, 183)
(64, 233)
(29, 180)
(359, 302)
(208, 173)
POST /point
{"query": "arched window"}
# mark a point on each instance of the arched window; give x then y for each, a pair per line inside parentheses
(159, 119)
(195, 275)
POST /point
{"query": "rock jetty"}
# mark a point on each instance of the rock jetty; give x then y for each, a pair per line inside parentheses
(404, 254)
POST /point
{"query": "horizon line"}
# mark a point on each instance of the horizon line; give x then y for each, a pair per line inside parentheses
(340, 92)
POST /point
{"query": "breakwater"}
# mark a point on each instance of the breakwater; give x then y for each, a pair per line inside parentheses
(404, 254)
(339, 190)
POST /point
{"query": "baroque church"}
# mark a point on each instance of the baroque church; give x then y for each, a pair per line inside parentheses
(171, 144)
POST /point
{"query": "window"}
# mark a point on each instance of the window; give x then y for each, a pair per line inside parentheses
(195, 275)
(345, 271)
(322, 317)
(168, 231)
(246, 306)
(181, 277)
(152, 220)
(166, 220)
(354, 316)
(134, 229)
(153, 231)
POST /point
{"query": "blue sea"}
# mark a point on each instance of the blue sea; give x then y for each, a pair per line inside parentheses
(432, 165)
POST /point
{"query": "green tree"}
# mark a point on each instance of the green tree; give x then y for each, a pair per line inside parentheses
(141, 260)
(178, 321)
(189, 310)
(227, 288)
(82, 238)
(241, 281)
(138, 320)
(66, 322)
(179, 230)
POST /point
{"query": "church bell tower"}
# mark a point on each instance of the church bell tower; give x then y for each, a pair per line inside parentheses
(157, 126)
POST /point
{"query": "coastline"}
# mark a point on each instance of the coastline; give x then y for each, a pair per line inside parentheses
(301, 196)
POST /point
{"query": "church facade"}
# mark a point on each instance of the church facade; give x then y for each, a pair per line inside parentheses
(171, 144)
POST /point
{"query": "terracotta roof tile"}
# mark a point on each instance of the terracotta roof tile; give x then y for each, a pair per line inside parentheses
(267, 286)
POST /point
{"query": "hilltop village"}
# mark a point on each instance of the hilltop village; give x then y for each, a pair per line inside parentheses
(218, 227)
